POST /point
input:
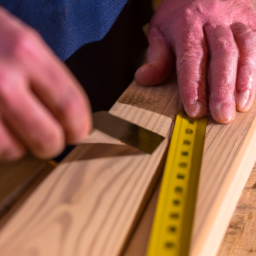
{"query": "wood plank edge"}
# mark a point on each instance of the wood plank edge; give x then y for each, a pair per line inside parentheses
(144, 205)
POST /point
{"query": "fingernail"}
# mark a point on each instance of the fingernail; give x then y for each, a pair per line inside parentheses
(196, 110)
(226, 112)
(242, 99)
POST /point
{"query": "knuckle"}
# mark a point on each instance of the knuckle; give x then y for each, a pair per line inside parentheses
(248, 38)
(75, 117)
(49, 144)
(243, 86)
(247, 61)
(193, 47)
(193, 42)
(189, 13)
(188, 54)
(70, 105)
(246, 41)
(22, 45)
(245, 81)
(192, 13)
(225, 45)
(191, 59)
(247, 46)
(241, 30)
(222, 95)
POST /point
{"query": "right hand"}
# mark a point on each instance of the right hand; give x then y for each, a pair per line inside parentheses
(42, 106)
(213, 45)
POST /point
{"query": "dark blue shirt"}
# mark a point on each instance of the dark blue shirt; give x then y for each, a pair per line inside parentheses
(66, 25)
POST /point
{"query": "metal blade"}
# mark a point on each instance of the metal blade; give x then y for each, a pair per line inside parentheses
(129, 133)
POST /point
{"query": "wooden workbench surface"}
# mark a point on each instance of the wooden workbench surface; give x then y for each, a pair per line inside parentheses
(241, 234)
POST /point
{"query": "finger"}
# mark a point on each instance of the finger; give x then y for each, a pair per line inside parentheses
(56, 87)
(222, 72)
(27, 117)
(10, 148)
(191, 54)
(160, 61)
(246, 71)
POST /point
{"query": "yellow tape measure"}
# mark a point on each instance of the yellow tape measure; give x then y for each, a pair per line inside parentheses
(173, 220)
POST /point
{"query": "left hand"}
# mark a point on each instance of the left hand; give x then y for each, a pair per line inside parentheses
(214, 44)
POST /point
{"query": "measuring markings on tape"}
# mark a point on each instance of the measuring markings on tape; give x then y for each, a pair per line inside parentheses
(173, 222)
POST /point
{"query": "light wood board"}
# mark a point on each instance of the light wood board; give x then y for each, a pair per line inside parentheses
(240, 236)
(16, 177)
(229, 155)
(91, 202)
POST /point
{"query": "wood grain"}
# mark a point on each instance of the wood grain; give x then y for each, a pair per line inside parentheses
(16, 177)
(228, 158)
(240, 236)
(90, 204)
(138, 242)
(27, 189)
(157, 99)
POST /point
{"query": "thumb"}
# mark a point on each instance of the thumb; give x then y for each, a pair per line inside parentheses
(160, 61)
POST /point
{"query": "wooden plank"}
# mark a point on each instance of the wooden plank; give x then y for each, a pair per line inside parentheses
(90, 204)
(16, 177)
(95, 196)
(138, 242)
(240, 236)
(228, 158)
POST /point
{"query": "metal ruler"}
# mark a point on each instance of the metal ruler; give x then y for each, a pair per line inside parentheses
(173, 222)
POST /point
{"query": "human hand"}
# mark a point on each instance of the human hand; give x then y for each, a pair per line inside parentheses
(214, 44)
(42, 106)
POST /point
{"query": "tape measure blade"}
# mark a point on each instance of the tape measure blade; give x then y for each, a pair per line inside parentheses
(173, 220)
(159, 222)
(193, 183)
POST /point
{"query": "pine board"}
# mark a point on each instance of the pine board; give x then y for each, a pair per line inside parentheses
(94, 195)
(229, 155)
(240, 236)
(91, 202)
(16, 177)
